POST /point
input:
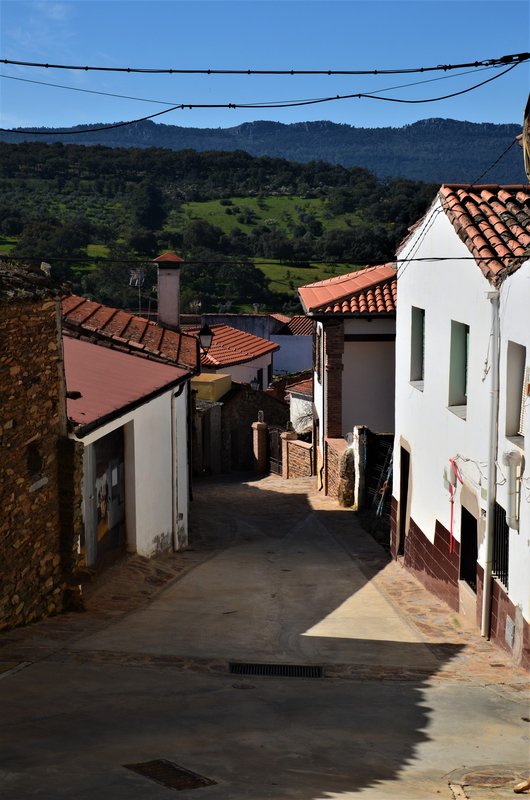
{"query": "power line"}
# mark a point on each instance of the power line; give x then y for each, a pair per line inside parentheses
(506, 150)
(281, 104)
(172, 102)
(503, 60)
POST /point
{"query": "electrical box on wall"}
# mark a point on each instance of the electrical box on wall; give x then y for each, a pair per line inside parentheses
(449, 478)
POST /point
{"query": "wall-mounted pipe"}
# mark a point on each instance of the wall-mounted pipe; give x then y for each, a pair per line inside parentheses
(494, 298)
(512, 459)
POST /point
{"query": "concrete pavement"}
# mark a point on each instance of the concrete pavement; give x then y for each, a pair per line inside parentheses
(410, 701)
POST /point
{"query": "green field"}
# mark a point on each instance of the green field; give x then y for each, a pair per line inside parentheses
(284, 278)
(274, 211)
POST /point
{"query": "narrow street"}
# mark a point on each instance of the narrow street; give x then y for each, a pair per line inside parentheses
(411, 702)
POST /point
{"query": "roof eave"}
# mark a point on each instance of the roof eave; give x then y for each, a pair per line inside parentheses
(80, 430)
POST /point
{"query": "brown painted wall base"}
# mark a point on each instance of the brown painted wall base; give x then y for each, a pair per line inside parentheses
(438, 570)
(433, 564)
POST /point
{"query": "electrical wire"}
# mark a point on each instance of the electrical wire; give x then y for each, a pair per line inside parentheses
(172, 102)
(507, 150)
(517, 58)
(284, 104)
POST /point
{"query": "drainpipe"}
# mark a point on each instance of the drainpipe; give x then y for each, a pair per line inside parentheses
(512, 459)
(174, 468)
(494, 298)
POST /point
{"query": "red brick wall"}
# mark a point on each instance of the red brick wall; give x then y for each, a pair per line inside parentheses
(433, 564)
(333, 350)
(299, 456)
(333, 449)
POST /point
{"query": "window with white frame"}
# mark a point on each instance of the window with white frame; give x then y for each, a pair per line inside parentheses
(417, 346)
(458, 367)
(517, 379)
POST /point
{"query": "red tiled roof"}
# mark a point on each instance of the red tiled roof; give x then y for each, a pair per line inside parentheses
(123, 329)
(281, 317)
(170, 258)
(231, 346)
(304, 387)
(372, 290)
(493, 222)
(297, 326)
(109, 381)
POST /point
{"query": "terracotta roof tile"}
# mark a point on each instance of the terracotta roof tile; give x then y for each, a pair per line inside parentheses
(493, 222)
(296, 326)
(231, 346)
(372, 290)
(110, 382)
(303, 387)
(86, 317)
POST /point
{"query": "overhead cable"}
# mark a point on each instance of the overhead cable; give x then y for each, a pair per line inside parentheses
(511, 58)
(172, 102)
(281, 104)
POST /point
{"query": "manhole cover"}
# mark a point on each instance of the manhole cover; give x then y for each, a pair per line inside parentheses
(491, 777)
(277, 670)
(169, 775)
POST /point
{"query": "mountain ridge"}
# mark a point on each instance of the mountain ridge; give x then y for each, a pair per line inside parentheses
(435, 149)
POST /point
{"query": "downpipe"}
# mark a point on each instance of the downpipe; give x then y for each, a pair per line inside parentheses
(174, 469)
(494, 298)
(512, 459)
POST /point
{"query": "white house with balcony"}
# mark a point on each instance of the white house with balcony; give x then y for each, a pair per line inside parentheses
(461, 489)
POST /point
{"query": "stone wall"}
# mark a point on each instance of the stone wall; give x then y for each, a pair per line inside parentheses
(33, 421)
(299, 459)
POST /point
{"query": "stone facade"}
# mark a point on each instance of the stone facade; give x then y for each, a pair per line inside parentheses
(32, 398)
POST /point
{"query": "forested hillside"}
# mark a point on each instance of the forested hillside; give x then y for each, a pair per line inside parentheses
(253, 228)
(435, 150)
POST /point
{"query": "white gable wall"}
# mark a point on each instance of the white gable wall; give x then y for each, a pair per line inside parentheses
(447, 290)
(456, 290)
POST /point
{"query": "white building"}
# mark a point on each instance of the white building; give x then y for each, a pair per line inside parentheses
(461, 492)
(130, 416)
(353, 361)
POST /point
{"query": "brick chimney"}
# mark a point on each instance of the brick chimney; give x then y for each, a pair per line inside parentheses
(169, 290)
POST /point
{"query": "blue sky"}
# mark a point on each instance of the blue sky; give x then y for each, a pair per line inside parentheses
(257, 34)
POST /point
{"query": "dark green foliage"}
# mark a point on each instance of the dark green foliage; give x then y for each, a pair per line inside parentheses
(131, 200)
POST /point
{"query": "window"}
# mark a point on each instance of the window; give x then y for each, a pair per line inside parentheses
(458, 368)
(417, 347)
(468, 549)
(501, 542)
(517, 378)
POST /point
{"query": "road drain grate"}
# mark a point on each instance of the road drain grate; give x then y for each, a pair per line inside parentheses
(169, 775)
(277, 670)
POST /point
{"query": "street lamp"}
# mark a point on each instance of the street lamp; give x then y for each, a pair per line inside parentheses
(205, 338)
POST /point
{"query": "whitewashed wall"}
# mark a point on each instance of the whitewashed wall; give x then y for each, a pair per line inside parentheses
(295, 353)
(368, 377)
(244, 373)
(149, 472)
(455, 290)
(301, 413)
(515, 327)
